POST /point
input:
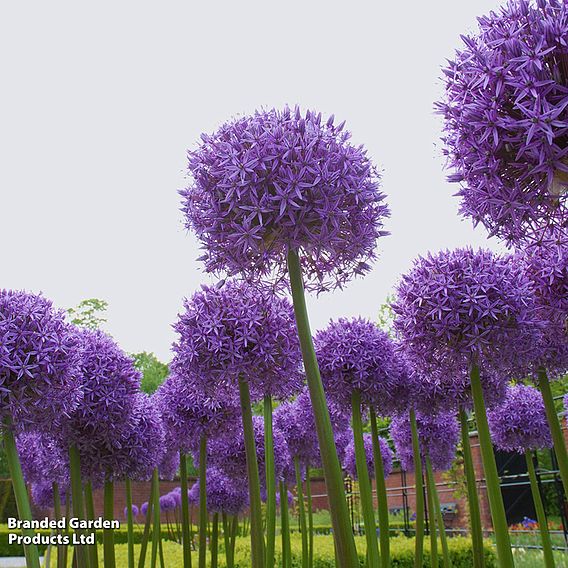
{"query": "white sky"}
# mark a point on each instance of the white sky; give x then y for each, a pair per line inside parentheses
(101, 101)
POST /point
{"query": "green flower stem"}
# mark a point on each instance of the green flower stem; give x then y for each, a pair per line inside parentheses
(342, 531)
(496, 506)
(61, 548)
(77, 501)
(284, 527)
(185, 518)
(129, 523)
(540, 514)
(156, 521)
(234, 531)
(108, 534)
(302, 513)
(419, 545)
(310, 518)
(430, 487)
(472, 497)
(203, 517)
(439, 517)
(20, 492)
(555, 428)
(256, 534)
(382, 502)
(215, 541)
(227, 539)
(270, 483)
(146, 534)
(364, 481)
(92, 551)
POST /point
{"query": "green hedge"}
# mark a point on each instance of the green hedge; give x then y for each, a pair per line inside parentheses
(402, 553)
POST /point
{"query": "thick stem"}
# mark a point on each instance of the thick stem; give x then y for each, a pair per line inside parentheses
(342, 531)
(20, 493)
(285, 527)
(227, 539)
(93, 550)
(129, 523)
(108, 534)
(61, 548)
(270, 483)
(203, 517)
(77, 501)
(364, 482)
(419, 545)
(215, 541)
(555, 428)
(472, 497)
(439, 517)
(256, 536)
(147, 524)
(382, 502)
(431, 516)
(234, 530)
(491, 475)
(302, 513)
(185, 520)
(310, 518)
(156, 522)
(540, 514)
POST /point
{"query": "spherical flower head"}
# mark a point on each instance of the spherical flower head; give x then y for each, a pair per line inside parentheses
(227, 452)
(144, 508)
(43, 460)
(170, 463)
(225, 494)
(167, 503)
(546, 263)
(464, 307)
(135, 511)
(38, 360)
(349, 461)
(505, 118)
(355, 355)
(519, 423)
(42, 494)
(278, 181)
(138, 450)
(295, 419)
(436, 385)
(189, 412)
(238, 330)
(110, 383)
(438, 436)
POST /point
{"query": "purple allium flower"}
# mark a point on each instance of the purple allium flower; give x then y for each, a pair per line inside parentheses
(227, 451)
(519, 423)
(169, 465)
(296, 422)
(438, 435)
(135, 511)
(42, 458)
(349, 461)
(144, 508)
(464, 306)
(136, 452)
(357, 355)
(546, 263)
(506, 118)
(277, 180)
(237, 330)
(42, 494)
(176, 496)
(188, 412)
(110, 382)
(225, 494)
(167, 503)
(38, 360)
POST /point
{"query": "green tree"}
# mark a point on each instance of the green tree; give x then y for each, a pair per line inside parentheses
(89, 313)
(385, 318)
(153, 371)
